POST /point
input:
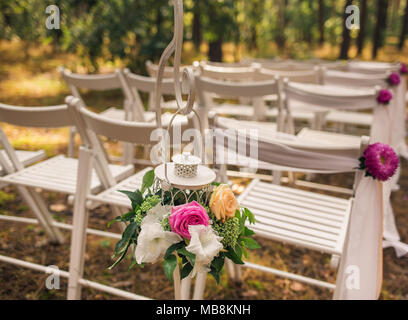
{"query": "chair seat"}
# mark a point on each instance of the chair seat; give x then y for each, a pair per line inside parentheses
(298, 217)
(59, 174)
(353, 118)
(25, 157)
(112, 196)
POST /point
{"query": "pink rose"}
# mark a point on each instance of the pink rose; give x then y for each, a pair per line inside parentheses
(186, 215)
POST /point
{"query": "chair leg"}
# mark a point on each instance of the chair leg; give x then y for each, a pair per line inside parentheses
(42, 215)
(49, 220)
(128, 153)
(80, 222)
(276, 176)
(199, 286)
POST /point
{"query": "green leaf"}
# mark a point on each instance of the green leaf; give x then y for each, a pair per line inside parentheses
(117, 219)
(173, 247)
(128, 216)
(134, 262)
(218, 263)
(250, 243)
(136, 197)
(238, 251)
(190, 256)
(187, 268)
(248, 232)
(250, 215)
(244, 252)
(148, 180)
(126, 236)
(170, 264)
(121, 257)
(215, 274)
(233, 256)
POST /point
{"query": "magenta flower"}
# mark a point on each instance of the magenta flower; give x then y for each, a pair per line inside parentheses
(186, 215)
(380, 161)
(384, 96)
(394, 79)
(403, 69)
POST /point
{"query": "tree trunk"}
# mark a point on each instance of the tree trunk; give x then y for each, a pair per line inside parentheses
(345, 45)
(321, 22)
(378, 41)
(197, 34)
(404, 29)
(280, 36)
(361, 33)
(215, 50)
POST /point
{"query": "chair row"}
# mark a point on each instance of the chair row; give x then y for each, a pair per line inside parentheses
(305, 219)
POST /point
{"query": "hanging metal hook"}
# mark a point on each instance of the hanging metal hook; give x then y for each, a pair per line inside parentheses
(176, 47)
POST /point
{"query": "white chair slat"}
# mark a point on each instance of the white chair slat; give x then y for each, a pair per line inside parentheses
(294, 237)
(328, 200)
(333, 228)
(308, 229)
(291, 210)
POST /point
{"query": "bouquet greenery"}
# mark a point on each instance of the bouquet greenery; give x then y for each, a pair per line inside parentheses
(195, 232)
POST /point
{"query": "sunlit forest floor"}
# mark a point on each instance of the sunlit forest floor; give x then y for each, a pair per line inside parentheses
(33, 80)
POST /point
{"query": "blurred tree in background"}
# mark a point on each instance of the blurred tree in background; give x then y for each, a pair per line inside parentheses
(133, 31)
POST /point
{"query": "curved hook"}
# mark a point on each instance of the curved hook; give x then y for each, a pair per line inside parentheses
(176, 46)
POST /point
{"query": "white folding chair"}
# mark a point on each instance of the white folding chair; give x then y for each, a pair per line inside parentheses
(141, 84)
(372, 67)
(100, 82)
(301, 218)
(255, 91)
(352, 80)
(58, 173)
(130, 132)
(330, 98)
(299, 111)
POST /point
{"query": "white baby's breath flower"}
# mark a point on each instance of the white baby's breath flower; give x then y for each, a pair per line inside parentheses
(205, 244)
(153, 242)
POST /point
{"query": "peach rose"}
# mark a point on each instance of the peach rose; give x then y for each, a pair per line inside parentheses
(223, 203)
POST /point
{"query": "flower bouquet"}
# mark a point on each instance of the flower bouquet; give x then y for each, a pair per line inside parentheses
(195, 230)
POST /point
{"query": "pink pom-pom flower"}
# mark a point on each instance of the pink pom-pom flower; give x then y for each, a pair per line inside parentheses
(384, 96)
(394, 79)
(186, 215)
(403, 69)
(379, 161)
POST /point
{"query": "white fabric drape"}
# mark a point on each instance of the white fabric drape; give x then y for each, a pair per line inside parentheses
(389, 127)
(360, 272)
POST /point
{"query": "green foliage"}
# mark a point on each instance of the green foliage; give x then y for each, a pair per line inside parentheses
(133, 31)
